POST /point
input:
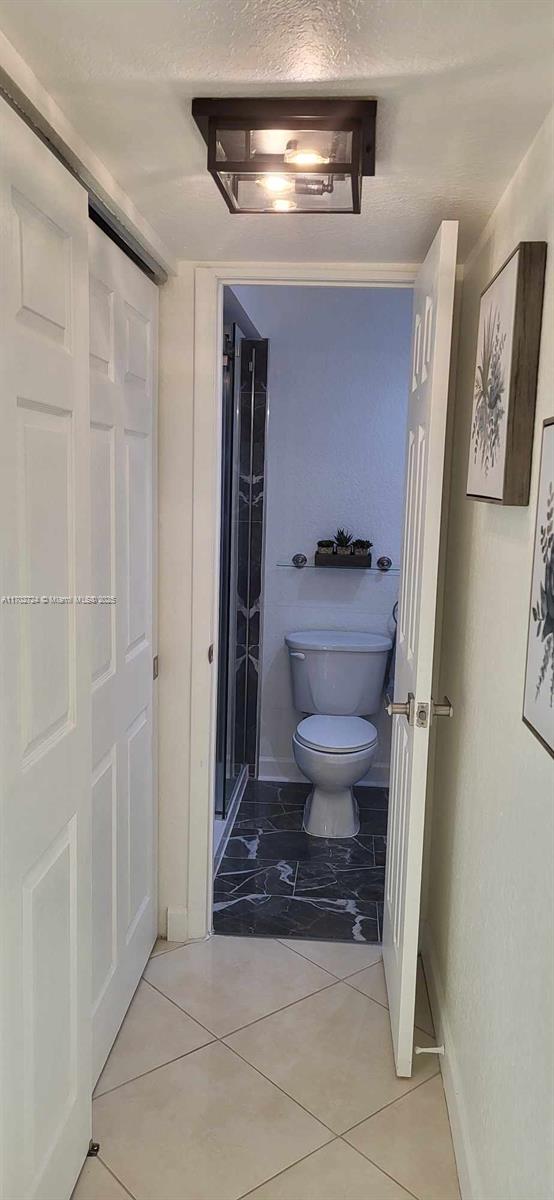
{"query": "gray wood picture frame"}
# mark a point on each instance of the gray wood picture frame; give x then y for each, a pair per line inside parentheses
(513, 470)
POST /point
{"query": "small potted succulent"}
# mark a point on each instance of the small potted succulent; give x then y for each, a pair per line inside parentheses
(326, 546)
(362, 548)
(343, 542)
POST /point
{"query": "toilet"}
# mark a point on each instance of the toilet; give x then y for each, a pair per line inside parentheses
(337, 678)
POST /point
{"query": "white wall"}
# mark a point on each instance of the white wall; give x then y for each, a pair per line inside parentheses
(490, 903)
(338, 387)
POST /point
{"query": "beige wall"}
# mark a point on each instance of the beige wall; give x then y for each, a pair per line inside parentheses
(490, 901)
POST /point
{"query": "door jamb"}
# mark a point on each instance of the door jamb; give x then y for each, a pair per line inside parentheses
(208, 334)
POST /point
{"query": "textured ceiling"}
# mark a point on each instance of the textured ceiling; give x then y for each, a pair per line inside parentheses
(462, 85)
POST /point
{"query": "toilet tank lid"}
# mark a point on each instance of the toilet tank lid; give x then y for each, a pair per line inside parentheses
(337, 639)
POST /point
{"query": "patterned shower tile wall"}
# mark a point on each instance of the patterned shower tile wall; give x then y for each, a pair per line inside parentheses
(253, 410)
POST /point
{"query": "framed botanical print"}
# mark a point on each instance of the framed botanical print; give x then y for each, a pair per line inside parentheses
(505, 380)
(538, 700)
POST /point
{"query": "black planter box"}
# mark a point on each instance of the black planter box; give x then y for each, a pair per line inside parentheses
(359, 562)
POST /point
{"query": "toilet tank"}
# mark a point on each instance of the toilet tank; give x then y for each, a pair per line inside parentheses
(338, 673)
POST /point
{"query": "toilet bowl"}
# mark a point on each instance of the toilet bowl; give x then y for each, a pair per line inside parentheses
(334, 753)
(337, 676)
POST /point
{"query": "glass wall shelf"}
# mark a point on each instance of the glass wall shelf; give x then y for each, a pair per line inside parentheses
(312, 566)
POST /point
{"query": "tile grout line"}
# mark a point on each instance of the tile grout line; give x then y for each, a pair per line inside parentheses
(336, 1136)
(280, 1089)
(114, 1176)
(381, 1169)
(170, 950)
(417, 1028)
(159, 1067)
(339, 978)
(320, 1119)
(220, 1036)
(273, 1013)
(180, 1008)
(389, 1104)
(304, 1158)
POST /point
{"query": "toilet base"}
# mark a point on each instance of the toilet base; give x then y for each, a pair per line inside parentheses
(331, 814)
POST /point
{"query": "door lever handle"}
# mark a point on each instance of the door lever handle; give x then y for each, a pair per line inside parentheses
(406, 709)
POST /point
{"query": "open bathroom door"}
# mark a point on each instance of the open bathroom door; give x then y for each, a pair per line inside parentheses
(412, 709)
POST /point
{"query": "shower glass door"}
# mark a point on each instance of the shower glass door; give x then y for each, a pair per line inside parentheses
(242, 486)
(227, 768)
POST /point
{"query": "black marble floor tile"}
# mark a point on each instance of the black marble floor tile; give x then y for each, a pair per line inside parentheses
(380, 851)
(301, 846)
(263, 817)
(373, 820)
(277, 880)
(283, 793)
(267, 879)
(278, 916)
(321, 879)
(372, 797)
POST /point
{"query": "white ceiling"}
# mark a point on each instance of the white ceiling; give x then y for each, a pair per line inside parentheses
(462, 85)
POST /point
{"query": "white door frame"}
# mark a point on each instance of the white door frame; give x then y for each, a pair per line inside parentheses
(208, 333)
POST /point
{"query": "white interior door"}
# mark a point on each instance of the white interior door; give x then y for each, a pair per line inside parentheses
(431, 340)
(123, 373)
(45, 717)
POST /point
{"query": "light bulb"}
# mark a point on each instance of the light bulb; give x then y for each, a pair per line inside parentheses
(305, 158)
(283, 205)
(275, 183)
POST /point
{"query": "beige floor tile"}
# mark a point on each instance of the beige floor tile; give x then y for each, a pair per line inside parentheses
(372, 983)
(162, 946)
(333, 1053)
(332, 1173)
(227, 982)
(206, 1127)
(411, 1140)
(96, 1183)
(153, 1032)
(340, 958)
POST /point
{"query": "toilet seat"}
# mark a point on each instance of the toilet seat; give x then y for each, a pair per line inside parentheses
(336, 735)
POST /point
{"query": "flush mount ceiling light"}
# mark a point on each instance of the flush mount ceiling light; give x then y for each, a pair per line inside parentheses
(284, 155)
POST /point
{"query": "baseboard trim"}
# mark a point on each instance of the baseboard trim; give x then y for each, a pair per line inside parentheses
(468, 1174)
(177, 925)
(279, 770)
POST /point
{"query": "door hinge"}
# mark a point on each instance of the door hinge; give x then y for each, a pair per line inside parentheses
(211, 652)
(93, 1149)
(155, 667)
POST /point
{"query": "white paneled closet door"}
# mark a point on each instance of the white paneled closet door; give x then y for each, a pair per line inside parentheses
(45, 706)
(431, 341)
(123, 373)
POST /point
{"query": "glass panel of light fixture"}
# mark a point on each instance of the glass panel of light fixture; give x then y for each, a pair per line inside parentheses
(231, 145)
(302, 147)
(279, 192)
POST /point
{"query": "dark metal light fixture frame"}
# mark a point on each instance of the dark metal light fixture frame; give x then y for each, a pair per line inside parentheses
(351, 115)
